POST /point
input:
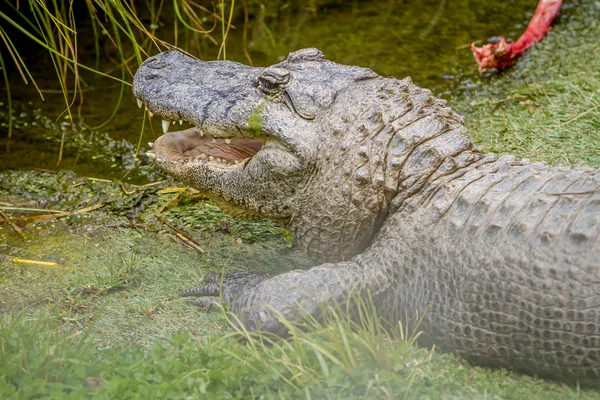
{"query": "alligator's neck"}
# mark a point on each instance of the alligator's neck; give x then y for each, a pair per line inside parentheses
(387, 148)
(429, 143)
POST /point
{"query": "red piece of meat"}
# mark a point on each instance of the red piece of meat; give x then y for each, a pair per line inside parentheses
(501, 55)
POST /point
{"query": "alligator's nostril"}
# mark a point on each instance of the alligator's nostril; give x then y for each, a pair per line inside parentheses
(155, 62)
(150, 77)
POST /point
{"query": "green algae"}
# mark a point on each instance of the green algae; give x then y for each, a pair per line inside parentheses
(255, 121)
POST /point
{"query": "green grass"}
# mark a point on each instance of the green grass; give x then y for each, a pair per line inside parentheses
(336, 359)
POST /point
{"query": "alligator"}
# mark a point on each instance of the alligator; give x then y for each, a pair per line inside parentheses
(379, 181)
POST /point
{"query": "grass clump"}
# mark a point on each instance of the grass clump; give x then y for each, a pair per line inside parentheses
(208, 218)
(339, 357)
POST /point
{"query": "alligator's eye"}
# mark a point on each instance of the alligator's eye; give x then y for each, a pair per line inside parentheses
(310, 54)
(273, 80)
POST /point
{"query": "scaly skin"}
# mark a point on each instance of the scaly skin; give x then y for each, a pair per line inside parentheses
(378, 179)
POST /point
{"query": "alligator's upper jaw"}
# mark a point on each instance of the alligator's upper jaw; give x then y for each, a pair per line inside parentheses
(193, 144)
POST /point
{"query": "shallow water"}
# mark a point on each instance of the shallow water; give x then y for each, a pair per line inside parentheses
(425, 39)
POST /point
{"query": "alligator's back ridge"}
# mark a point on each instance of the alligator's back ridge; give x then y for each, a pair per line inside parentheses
(379, 179)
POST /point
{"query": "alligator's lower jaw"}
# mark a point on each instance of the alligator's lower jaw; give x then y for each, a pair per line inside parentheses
(193, 144)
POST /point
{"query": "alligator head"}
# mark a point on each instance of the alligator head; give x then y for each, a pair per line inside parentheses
(324, 147)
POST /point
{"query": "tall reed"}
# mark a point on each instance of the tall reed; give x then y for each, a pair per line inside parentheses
(53, 26)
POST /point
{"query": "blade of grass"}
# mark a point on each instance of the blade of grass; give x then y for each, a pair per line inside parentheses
(9, 100)
(44, 22)
(184, 22)
(126, 17)
(50, 15)
(18, 11)
(225, 32)
(55, 52)
(245, 33)
(93, 18)
(122, 88)
(139, 143)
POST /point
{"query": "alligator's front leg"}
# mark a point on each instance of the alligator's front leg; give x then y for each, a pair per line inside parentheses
(258, 301)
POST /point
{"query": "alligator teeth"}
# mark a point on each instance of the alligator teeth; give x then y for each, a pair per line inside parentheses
(211, 158)
(180, 122)
(139, 103)
(151, 155)
(218, 160)
(151, 144)
(201, 134)
(150, 113)
(173, 122)
(203, 156)
(214, 140)
(236, 162)
(165, 125)
(228, 141)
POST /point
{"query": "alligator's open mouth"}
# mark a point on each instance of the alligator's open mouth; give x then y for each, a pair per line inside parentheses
(193, 144)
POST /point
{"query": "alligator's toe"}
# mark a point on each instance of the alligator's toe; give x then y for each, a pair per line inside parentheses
(208, 303)
(211, 289)
(222, 287)
(213, 277)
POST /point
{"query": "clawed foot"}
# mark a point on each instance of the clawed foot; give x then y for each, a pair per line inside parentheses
(219, 288)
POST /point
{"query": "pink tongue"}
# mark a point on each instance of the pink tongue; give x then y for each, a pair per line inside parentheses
(224, 151)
